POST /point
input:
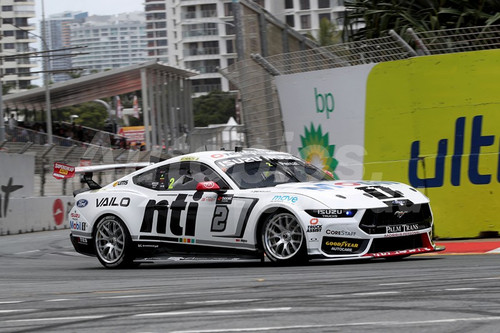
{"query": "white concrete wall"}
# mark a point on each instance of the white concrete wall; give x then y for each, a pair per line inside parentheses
(35, 214)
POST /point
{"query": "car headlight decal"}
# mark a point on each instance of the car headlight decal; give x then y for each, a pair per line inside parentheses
(331, 213)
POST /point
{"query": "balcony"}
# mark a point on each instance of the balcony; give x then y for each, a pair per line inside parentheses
(203, 88)
(201, 51)
(24, 13)
(199, 33)
(189, 15)
(208, 13)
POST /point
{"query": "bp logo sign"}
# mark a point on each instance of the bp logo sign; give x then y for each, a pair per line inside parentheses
(317, 150)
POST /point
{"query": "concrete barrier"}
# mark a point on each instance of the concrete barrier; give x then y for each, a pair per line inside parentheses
(20, 210)
(35, 214)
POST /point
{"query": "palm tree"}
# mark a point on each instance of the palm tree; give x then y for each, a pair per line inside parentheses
(6, 88)
(327, 33)
(376, 18)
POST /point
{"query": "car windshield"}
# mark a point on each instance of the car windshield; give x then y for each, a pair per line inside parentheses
(265, 172)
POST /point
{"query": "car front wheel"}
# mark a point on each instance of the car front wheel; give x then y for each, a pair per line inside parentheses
(113, 243)
(283, 239)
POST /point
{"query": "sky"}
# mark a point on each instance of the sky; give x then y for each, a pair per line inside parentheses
(93, 7)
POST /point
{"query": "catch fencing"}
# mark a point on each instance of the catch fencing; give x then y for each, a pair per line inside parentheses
(260, 109)
(101, 150)
(273, 49)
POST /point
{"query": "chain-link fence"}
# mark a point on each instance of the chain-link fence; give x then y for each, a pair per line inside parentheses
(254, 76)
(457, 40)
(102, 151)
(271, 49)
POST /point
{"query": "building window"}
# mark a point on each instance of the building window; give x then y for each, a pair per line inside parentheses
(290, 20)
(209, 10)
(21, 34)
(228, 9)
(230, 29)
(230, 46)
(21, 22)
(324, 16)
(7, 8)
(190, 12)
(304, 4)
(8, 33)
(323, 3)
(340, 18)
(288, 4)
(305, 21)
(160, 25)
(8, 21)
(152, 7)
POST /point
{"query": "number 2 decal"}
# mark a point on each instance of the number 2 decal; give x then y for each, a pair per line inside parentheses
(219, 220)
(171, 183)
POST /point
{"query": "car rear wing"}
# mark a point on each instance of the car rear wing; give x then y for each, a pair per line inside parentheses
(65, 171)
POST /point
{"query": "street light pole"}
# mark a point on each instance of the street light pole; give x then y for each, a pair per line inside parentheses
(2, 120)
(240, 48)
(46, 80)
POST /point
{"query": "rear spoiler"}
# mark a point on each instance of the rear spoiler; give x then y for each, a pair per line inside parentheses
(64, 171)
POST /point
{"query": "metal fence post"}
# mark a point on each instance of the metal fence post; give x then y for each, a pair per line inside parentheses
(65, 181)
(44, 161)
(402, 43)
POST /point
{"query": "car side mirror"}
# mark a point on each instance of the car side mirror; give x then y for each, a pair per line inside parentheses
(208, 186)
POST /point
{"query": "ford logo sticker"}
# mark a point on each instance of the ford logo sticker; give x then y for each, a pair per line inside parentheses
(81, 203)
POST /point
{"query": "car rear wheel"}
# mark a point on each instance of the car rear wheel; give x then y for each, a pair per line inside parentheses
(283, 239)
(113, 243)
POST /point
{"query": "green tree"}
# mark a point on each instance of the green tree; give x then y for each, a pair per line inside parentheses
(376, 18)
(214, 108)
(89, 114)
(6, 88)
(75, 74)
(327, 33)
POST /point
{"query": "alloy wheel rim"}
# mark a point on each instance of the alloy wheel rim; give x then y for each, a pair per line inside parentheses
(283, 236)
(110, 241)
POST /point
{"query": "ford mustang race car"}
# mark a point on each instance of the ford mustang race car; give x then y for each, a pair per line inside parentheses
(249, 203)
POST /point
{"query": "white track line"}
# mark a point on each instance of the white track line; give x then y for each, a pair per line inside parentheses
(26, 252)
(374, 324)
(10, 302)
(73, 318)
(20, 310)
(213, 312)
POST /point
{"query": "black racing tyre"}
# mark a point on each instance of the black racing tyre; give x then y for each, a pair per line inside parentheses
(113, 244)
(283, 239)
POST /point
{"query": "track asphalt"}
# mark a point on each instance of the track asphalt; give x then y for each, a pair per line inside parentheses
(470, 246)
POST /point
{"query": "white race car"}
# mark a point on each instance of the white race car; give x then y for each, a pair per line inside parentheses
(247, 203)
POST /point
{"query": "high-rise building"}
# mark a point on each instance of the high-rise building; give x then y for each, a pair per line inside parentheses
(305, 15)
(58, 37)
(202, 39)
(200, 34)
(156, 27)
(110, 41)
(15, 39)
